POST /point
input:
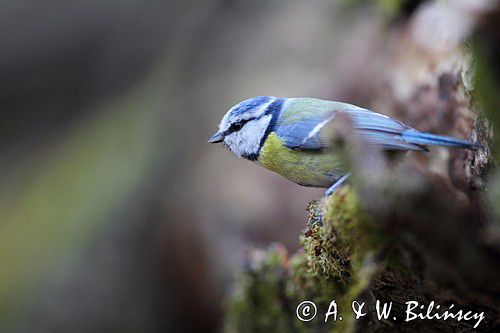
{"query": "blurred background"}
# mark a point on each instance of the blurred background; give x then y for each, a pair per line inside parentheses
(115, 215)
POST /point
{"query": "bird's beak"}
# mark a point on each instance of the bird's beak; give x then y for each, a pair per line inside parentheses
(216, 138)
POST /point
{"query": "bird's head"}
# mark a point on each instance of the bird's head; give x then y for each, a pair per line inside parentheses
(244, 126)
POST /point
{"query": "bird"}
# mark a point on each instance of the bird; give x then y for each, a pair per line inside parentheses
(291, 136)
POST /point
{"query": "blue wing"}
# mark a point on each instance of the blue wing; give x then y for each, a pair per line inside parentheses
(298, 134)
(304, 125)
(381, 130)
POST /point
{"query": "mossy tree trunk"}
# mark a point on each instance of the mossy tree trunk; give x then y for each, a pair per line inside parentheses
(404, 233)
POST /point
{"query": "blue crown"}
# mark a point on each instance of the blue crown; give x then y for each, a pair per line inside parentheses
(250, 104)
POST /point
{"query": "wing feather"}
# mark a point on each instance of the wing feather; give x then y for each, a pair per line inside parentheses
(310, 130)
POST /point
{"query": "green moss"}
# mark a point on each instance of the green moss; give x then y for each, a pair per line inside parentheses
(344, 248)
(486, 89)
(338, 263)
(269, 289)
(346, 237)
(256, 302)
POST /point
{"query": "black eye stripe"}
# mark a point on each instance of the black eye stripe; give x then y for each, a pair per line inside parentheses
(238, 125)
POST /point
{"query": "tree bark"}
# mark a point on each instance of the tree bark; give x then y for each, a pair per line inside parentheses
(426, 230)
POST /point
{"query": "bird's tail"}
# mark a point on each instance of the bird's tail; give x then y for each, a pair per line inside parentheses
(419, 138)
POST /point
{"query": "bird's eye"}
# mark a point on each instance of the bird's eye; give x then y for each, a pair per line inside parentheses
(236, 127)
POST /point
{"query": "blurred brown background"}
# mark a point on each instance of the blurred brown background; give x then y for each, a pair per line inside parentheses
(115, 215)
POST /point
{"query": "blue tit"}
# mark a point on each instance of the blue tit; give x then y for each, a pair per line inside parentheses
(289, 136)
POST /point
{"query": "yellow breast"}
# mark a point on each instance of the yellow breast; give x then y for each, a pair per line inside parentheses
(308, 168)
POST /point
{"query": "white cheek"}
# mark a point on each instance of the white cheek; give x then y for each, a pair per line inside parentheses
(247, 140)
(233, 142)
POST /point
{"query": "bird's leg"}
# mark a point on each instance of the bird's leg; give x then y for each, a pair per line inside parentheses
(337, 184)
(330, 191)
